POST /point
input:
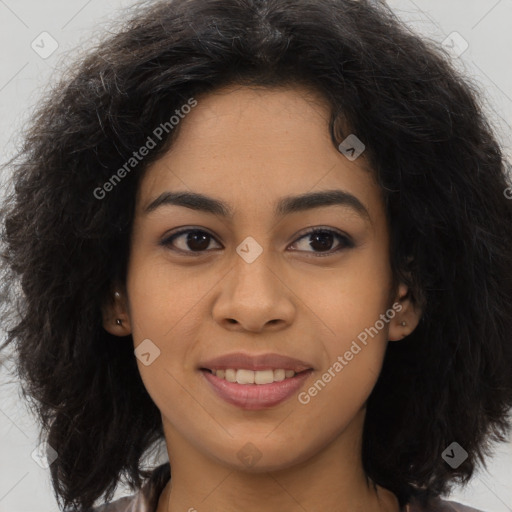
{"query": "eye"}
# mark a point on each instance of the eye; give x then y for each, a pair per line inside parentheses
(197, 241)
(322, 239)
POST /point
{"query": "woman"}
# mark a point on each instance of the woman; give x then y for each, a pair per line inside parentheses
(275, 235)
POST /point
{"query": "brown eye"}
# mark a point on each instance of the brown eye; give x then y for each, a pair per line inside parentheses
(196, 240)
(322, 241)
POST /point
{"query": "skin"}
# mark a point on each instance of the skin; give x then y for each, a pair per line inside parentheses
(249, 148)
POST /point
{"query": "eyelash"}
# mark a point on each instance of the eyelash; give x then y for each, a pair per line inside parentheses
(347, 242)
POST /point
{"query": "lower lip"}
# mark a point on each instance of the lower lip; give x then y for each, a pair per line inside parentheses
(256, 396)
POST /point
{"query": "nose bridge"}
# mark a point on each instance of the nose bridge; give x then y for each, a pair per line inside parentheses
(252, 271)
(253, 294)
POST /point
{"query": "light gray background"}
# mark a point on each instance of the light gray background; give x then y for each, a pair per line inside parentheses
(484, 24)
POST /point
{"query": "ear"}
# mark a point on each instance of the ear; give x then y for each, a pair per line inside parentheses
(116, 318)
(408, 313)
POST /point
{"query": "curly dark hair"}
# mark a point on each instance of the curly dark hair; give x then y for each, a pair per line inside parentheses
(434, 154)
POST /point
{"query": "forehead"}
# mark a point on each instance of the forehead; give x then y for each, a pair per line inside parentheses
(251, 147)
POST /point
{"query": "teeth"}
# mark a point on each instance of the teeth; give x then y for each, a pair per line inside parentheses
(243, 376)
(230, 375)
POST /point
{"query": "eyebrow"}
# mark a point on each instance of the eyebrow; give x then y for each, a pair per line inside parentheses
(285, 206)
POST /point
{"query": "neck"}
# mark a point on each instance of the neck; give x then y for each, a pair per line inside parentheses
(330, 479)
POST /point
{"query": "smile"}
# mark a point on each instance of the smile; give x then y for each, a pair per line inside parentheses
(253, 390)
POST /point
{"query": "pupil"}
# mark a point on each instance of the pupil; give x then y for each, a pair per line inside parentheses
(199, 238)
(324, 238)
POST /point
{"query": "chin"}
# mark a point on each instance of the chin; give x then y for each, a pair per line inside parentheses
(261, 455)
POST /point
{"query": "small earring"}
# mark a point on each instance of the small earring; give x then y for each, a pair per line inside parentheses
(117, 295)
(403, 323)
(119, 321)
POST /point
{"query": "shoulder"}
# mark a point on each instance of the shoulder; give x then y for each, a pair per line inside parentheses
(458, 507)
(124, 504)
(440, 505)
(144, 500)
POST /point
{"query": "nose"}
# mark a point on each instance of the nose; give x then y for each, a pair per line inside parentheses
(254, 297)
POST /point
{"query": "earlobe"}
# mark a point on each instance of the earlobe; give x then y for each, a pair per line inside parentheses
(116, 319)
(407, 317)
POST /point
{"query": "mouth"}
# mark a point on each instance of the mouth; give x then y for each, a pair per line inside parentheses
(257, 381)
(239, 361)
(254, 390)
(254, 377)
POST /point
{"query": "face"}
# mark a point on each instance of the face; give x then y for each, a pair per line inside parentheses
(267, 273)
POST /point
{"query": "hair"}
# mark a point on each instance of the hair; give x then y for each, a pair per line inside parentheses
(429, 146)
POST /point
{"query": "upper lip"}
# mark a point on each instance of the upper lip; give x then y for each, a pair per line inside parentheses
(256, 362)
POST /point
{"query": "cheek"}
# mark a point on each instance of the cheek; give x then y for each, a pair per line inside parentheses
(165, 308)
(159, 298)
(350, 304)
(344, 384)
(349, 298)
